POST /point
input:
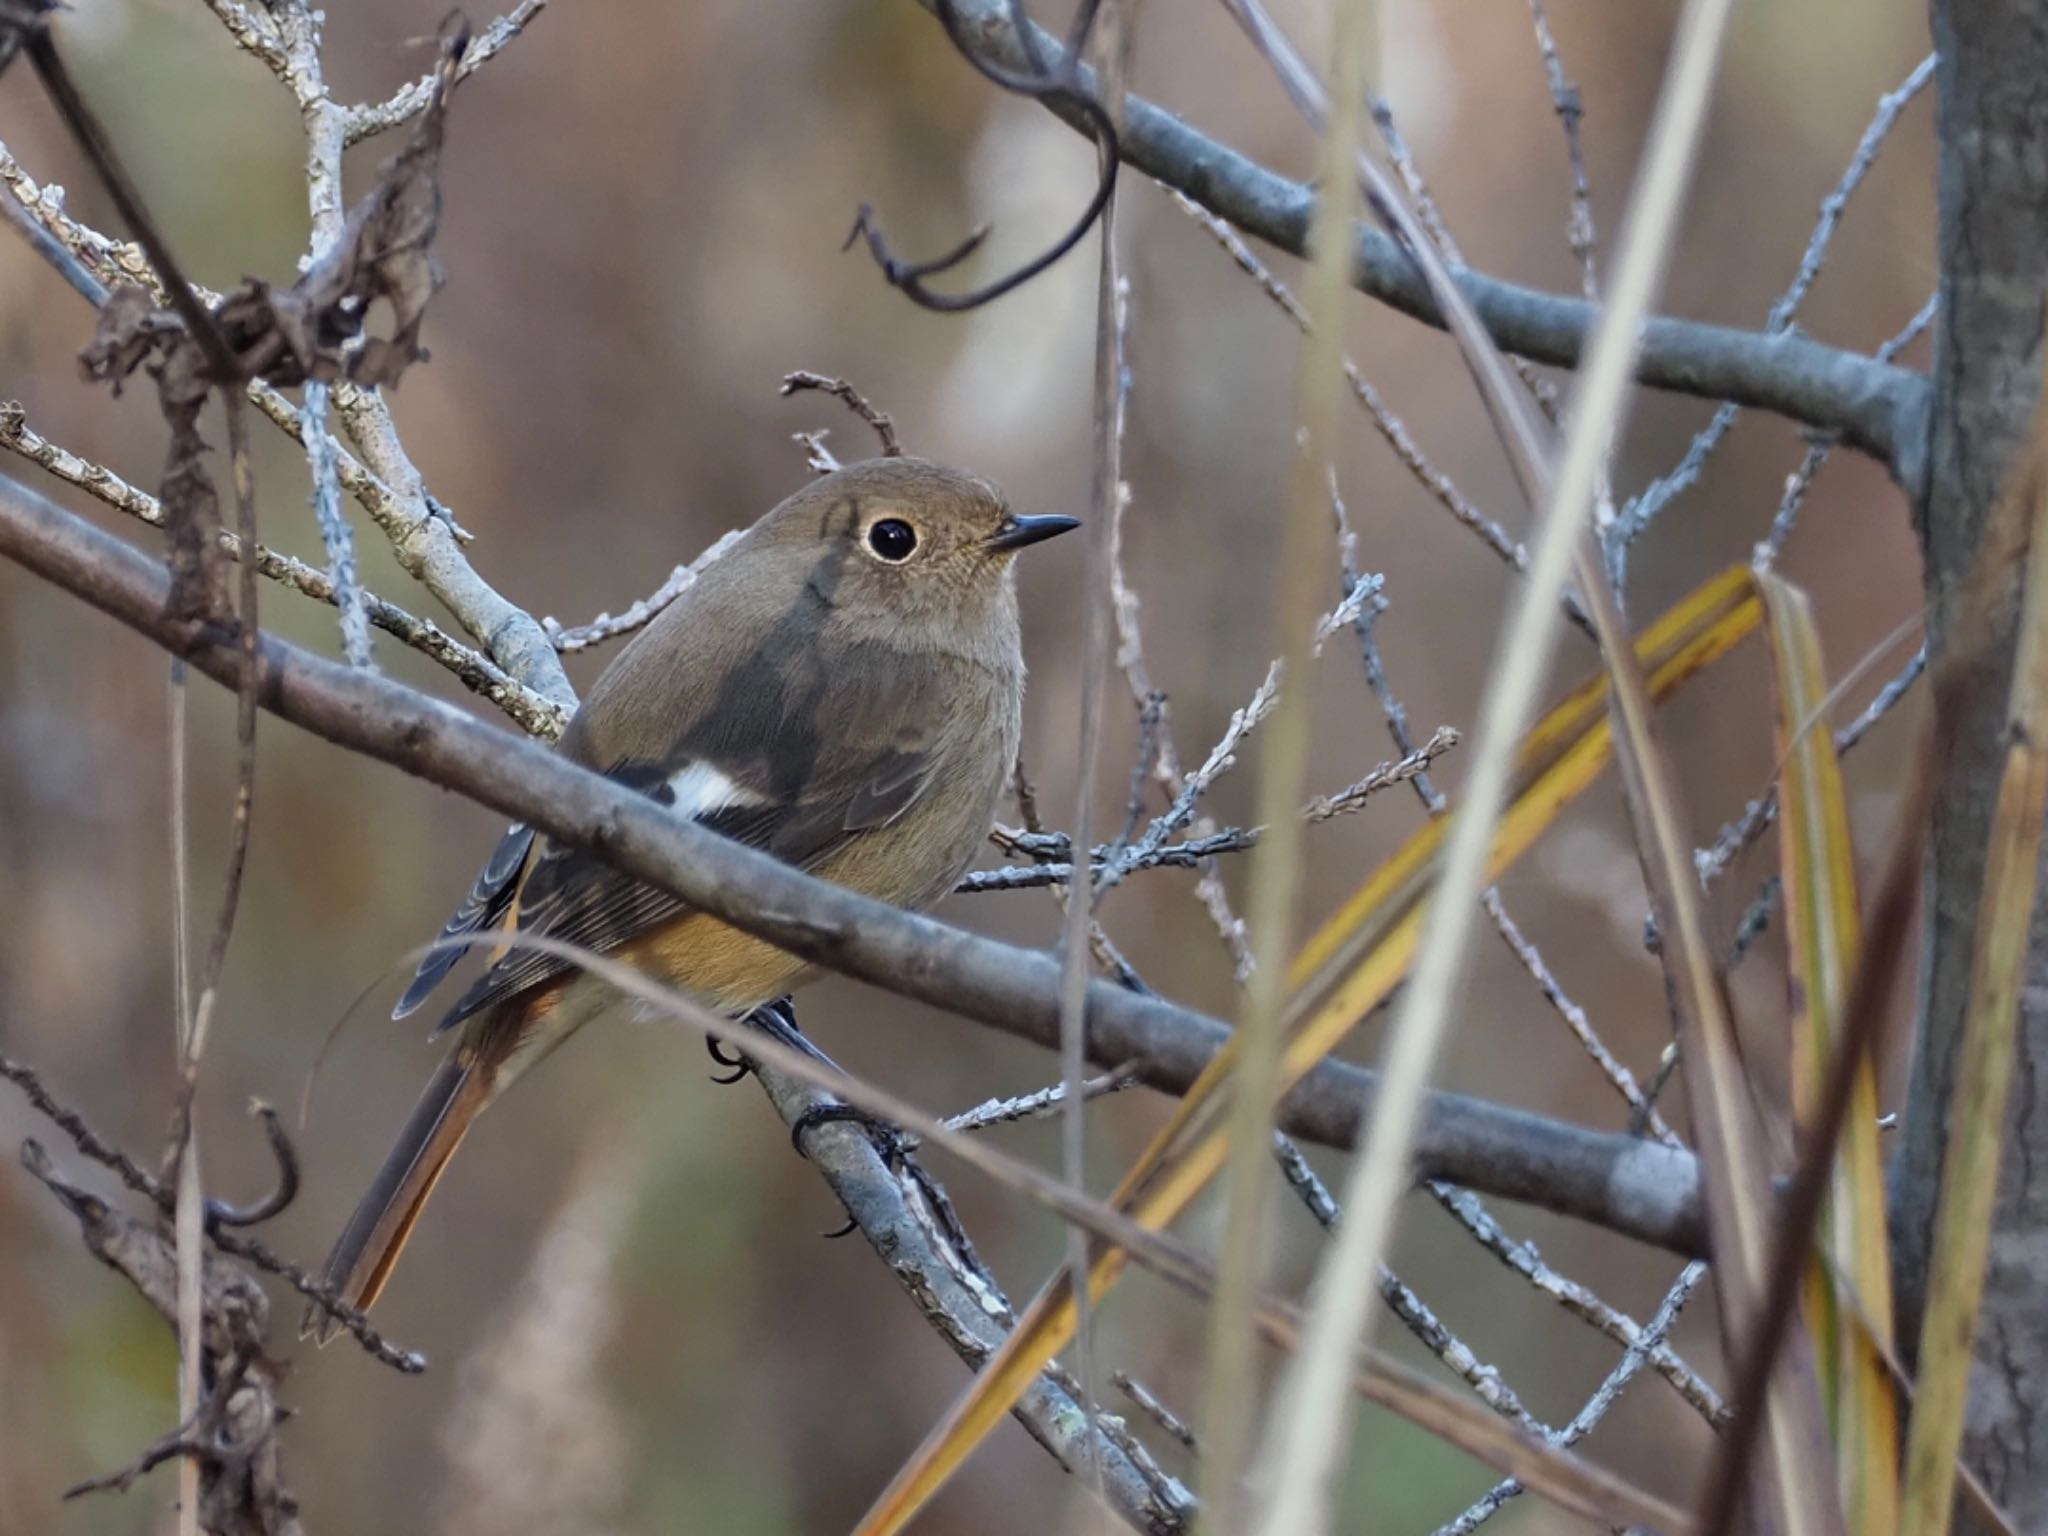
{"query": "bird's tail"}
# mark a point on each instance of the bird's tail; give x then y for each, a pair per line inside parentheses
(369, 1245)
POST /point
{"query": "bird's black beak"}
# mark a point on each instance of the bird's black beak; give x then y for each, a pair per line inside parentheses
(1017, 532)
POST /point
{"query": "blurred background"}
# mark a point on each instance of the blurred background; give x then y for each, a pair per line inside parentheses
(633, 1322)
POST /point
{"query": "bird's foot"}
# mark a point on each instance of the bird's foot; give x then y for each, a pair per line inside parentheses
(893, 1143)
(776, 1020)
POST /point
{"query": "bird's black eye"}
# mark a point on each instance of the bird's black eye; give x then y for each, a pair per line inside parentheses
(893, 539)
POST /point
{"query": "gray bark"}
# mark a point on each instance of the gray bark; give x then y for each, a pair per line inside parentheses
(1993, 235)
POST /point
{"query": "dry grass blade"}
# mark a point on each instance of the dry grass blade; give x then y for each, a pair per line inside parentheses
(1757, 1352)
(1819, 868)
(1305, 1441)
(1109, 37)
(1977, 1114)
(1737, 1193)
(1572, 1483)
(1230, 1400)
(1522, 432)
(1347, 968)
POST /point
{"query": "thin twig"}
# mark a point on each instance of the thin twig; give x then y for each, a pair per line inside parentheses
(856, 402)
(1711, 862)
(366, 121)
(1148, 1403)
(1604, 1398)
(253, 31)
(1470, 1212)
(1223, 756)
(473, 669)
(334, 529)
(1575, 1019)
(1433, 223)
(1800, 481)
(1390, 427)
(185, 1044)
(98, 1149)
(53, 251)
(1124, 858)
(1053, 75)
(642, 612)
(1564, 98)
(1415, 1314)
(1127, 611)
(1644, 509)
(1039, 1105)
(1106, 33)
(248, 628)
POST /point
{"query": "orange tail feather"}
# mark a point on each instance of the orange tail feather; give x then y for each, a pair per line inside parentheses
(369, 1246)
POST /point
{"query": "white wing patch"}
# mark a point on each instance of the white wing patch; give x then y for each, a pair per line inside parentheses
(699, 789)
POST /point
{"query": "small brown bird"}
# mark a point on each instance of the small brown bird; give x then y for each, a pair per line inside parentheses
(842, 688)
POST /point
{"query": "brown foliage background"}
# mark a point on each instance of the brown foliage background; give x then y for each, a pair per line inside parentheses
(632, 1321)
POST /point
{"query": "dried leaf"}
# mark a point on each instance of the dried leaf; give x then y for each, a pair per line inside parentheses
(1852, 1291)
(386, 252)
(133, 333)
(131, 329)
(315, 329)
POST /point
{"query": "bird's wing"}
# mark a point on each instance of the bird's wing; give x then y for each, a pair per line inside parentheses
(758, 778)
(497, 885)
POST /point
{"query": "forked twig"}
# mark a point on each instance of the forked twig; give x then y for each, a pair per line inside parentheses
(854, 401)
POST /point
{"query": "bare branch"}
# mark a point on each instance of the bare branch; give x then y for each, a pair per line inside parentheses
(334, 530)
(1468, 1210)
(529, 710)
(1389, 426)
(852, 399)
(900, 1214)
(1415, 1314)
(1564, 97)
(1041, 1104)
(1801, 479)
(423, 535)
(1643, 509)
(47, 246)
(1632, 1361)
(1154, 1409)
(1050, 74)
(605, 627)
(253, 31)
(92, 1145)
(1879, 409)
(366, 121)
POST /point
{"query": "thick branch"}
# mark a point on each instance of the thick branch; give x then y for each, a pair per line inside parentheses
(1993, 247)
(892, 1210)
(1876, 407)
(1633, 1187)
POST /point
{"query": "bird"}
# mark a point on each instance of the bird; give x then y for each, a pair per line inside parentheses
(842, 688)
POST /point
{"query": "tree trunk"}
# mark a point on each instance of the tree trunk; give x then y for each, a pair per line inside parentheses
(1993, 233)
